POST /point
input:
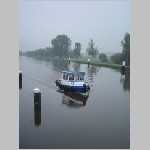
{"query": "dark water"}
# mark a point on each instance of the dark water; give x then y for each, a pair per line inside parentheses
(101, 121)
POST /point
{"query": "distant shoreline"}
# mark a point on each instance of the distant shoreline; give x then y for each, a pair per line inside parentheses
(92, 62)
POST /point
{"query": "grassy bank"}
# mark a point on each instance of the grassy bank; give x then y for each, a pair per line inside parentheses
(96, 62)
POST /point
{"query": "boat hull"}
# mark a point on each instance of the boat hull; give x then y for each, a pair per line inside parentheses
(72, 88)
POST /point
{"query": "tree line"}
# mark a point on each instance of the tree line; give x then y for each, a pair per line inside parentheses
(61, 48)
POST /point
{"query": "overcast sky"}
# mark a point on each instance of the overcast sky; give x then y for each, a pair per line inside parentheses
(104, 21)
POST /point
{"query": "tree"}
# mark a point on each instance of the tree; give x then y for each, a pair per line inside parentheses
(125, 43)
(40, 53)
(77, 49)
(103, 58)
(91, 50)
(116, 58)
(21, 53)
(61, 45)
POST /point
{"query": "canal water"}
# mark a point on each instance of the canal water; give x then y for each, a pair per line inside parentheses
(68, 121)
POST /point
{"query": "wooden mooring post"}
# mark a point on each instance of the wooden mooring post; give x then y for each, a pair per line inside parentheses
(37, 97)
(88, 63)
(37, 107)
(20, 79)
(69, 61)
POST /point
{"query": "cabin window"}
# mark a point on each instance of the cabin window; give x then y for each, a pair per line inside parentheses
(65, 77)
(71, 77)
(81, 77)
(76, 77)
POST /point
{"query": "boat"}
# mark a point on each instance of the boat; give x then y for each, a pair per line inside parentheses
(73, 81)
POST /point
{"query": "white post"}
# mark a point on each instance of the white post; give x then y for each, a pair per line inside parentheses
(123, 63)
(123, 68)
(69, 60)
(37, 97)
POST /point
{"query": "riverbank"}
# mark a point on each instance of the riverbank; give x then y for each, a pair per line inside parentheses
(98, 63)
(93, 61)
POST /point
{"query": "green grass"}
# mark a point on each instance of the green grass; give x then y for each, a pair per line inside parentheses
(96, 62)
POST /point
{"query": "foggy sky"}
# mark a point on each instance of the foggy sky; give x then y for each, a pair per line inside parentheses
(104, 21)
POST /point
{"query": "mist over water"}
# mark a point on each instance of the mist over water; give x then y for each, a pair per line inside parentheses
(101, 120)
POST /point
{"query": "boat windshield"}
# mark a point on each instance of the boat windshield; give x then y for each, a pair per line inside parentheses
(76, 77)
(73, 75)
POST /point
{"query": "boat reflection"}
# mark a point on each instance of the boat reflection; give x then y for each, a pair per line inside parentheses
(125, 80)
(74, 100)
(37, 115)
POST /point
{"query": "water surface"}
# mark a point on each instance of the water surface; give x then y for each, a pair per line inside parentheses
(68, 121)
